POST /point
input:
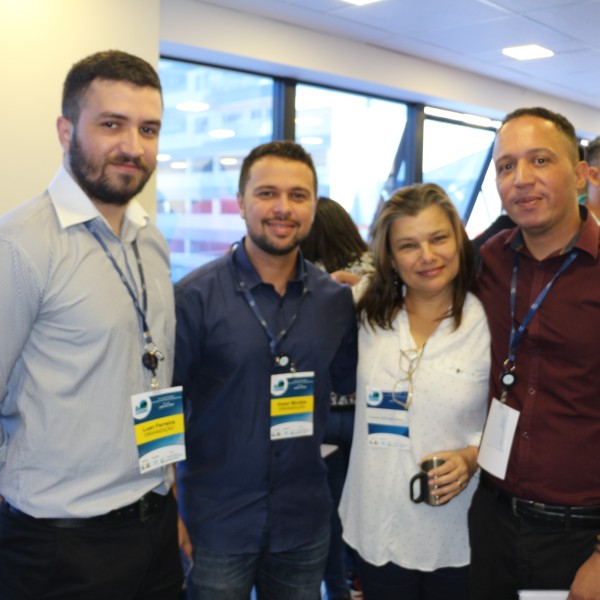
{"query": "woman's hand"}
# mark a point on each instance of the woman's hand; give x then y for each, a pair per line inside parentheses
(451, 478)
(346, 277)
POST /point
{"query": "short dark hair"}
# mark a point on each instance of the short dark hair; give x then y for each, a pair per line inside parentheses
(281, 149)
(111, 65)
(334, 239)
(381, 301)
(592, 152)
(562, 124)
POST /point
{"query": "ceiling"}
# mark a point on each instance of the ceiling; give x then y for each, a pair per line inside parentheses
(468, 34)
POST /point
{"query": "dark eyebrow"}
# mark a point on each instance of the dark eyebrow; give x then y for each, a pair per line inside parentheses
(530, 152)
(120, 117)
(111, 115)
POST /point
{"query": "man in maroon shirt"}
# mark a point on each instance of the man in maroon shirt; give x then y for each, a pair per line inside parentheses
(535, 526)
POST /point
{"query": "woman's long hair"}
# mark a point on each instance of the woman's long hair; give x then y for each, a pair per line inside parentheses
(382, 299)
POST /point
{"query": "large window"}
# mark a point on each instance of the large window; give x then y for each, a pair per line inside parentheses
(362, 146)
(212, 119)
(487, 206)
(353, 140)
(454, 156)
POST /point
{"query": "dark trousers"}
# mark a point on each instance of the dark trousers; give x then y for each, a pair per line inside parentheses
(294, 574)
(133, 560)
(392, 582)
(510, 553)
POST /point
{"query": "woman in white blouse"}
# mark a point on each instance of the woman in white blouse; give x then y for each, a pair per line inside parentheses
(421, 392)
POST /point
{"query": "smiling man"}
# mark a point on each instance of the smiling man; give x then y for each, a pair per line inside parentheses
(85, 299)
(535, 518)
(263, 337)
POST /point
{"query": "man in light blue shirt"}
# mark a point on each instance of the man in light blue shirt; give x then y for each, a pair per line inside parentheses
(87, 315)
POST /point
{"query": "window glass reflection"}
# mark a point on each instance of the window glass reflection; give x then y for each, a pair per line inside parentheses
(212, 118)
(453, 157)
(353, 140)
(488, 206)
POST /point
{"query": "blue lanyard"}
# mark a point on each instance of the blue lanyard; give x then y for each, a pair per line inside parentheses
(274, 341)
(517, 334)
(139, 309)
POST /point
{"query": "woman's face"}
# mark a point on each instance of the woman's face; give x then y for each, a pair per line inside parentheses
(425, 252)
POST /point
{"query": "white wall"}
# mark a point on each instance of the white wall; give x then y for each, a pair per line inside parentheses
(39, 41)
(208, 33)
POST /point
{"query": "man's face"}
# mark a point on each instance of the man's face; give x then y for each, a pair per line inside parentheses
(111, 150)
(278, 204)
(536, 174)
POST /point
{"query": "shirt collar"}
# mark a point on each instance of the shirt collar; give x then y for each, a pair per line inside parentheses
(73, 206)
(586, 240)
(246, 273)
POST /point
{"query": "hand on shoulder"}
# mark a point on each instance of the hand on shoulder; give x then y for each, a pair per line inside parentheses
(346, 277)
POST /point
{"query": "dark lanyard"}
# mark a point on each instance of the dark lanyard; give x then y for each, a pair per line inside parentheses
(140, 310)
(152, 354)
(508, 377)
(274, 341)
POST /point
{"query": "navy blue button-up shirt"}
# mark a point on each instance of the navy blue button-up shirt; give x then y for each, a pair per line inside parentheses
(236, 483)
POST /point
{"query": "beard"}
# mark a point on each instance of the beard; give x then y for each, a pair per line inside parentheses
(93, 178)
(263, 242)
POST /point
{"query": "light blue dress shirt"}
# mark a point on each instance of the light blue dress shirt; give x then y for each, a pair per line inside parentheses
(71, 354)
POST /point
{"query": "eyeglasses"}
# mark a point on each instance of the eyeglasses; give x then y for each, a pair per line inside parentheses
(408, 363)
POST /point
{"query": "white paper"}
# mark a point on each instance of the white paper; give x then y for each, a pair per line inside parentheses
(328, 450)
(543, 594)
(497, 438)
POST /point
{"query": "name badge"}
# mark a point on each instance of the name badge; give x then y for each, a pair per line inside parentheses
(159, 427)
(387, 419)
(292, 405)
(497, 439)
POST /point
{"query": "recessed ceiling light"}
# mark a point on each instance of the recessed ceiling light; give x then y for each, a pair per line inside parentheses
(530, 52)
(163, 157)
(192, 106)
(179, 164)
(221, 134)
(360, 2)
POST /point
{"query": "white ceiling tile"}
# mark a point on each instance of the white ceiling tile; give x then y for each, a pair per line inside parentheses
(467, 34)
(581, 21)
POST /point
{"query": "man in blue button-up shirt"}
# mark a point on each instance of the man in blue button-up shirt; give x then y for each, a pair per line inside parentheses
(253, 492)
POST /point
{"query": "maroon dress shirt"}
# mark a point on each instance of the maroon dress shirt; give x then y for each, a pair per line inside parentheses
(555, 456)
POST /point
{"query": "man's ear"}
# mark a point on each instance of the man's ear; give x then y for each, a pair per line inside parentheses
(594, 175)
(240, 201)
(64, 128)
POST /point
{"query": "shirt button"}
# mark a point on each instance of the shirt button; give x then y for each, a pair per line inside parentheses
(525, 435)
(531, 391)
